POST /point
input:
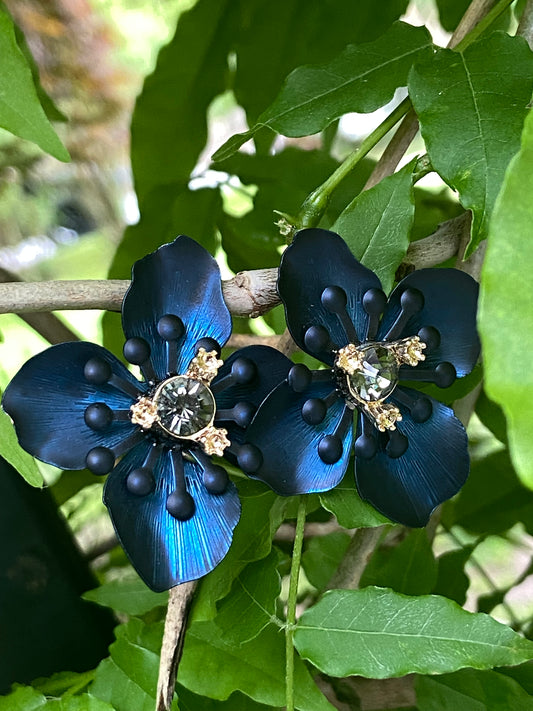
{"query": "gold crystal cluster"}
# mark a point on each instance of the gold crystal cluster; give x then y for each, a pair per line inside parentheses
(144, 413)
(408, 351)
(204, 366)
(384, 415)
(214, 440)
(349, 359)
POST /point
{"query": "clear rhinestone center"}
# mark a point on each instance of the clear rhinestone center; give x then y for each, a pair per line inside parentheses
(184, 406)
(376, 376)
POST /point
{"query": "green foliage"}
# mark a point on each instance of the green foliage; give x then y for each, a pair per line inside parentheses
(15, 455)
(130, 596)
(350, 510)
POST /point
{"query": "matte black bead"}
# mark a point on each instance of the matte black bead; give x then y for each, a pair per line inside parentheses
(180, 505)
(374, 301)
(365, 446)
(208, 344)
(421, 410)
(314, 410)
(97, 371)
(249, 458)
(334, 299)
(412, 300)
(215, 479)
(316, 339)
(243, 413)
(431, 337)
(330, 449)
(100, 460)
(170, 327)
(98, 416)
(397, 444)
(445, 375)
(299, 377)
(140, 481)
(243, 371)
(136, 350)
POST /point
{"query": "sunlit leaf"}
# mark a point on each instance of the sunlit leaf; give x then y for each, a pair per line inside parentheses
(130, 596)
(350, 510)
(13, 453)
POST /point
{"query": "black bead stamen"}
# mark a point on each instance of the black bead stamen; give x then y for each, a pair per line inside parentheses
(420, 407)
(180, 503)
(334, 299)
(443, 375)
(215, 478)
(137, 352)
(249, 458)
(397, 444)
(208, 344)
(299, 378)
(374, 302)
(411, 302)
(98, 416)
(171, 329)
(366, 445)
(330, 447)
(101, 460)
(431, 337)
(141, 481)
(242, 414)
(243, 372)
(317, 340)
(98, 371)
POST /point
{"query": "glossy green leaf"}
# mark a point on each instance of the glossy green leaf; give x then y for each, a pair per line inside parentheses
(409, 568)
(257, 669)
(350, 510)
(23, 698)
(506, 306)
(362, 78)
(471, 690)
(12, 452)
(130, 596)
(85, 702)
(491, 415)
(236, 702)
(377, 223)
(378, 633)
(322, 556)
(21, 112)
(452, 582)
(471, 123)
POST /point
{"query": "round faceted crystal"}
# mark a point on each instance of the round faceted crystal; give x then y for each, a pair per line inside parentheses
(377, 376)
(184, 406)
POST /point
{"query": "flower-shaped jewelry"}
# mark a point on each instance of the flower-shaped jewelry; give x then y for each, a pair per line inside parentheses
(410, 450)
(76, 405)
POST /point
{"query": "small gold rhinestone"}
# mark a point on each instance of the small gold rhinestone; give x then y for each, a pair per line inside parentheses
(384, 414)
(408, 351)
(349, 359)
(204, 366)
(214, 440)
(144, 413)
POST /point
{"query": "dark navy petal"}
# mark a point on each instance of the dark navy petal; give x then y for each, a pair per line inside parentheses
(289, 446)
(179, 279)
(433, 468)
(48, 397)
(315, 260)
(163, 550)
(450, 305)
(269, 367)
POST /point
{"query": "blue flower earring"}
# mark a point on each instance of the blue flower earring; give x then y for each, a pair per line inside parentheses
(410, 450)
(76, 405)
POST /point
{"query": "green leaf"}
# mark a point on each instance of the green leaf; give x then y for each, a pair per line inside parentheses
(491, 415)
(257, 669)
(85, 702)
(452, 581)
(22, 698)
(20, 110)
(378, 633)
(377, 223)
(12, 452)
(251, 604)
(471, 123)
(505, 307)
(350, 510)
(523, 674)
(471, 690)
(408, 568)
(362, 78)
(236, 702)
(322, 556)
(130, 596)
(451, 12)
(25, 698)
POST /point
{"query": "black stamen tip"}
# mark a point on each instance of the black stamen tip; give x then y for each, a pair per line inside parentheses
(170, 327)
(208, 344)
(299, 377)
(316, 339)
(98, 416)
(243, 413)
(397, 444)
(136, 351)
(100, 460)
(374, 301)
(365, 446)
(97, 371)
(430, 336)
(412, 300)
(314, 410)
(445, 375)
(334, 299)
(330, 449)
(249, 458)
(180, 505)
(421, 410)
(215, 479)
(140, 482)
(243, 371)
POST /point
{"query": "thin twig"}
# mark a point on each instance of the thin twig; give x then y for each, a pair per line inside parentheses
(525, 26)
(354, 561)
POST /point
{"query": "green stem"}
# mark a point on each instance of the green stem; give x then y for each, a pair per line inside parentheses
(482, 25)
(291, 603)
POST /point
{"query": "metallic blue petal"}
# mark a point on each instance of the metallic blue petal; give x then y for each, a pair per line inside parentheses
(48, 397)
(315, 260)
(289, 446)
(450, 305)
(163, 550)
(181, 279)
(433, 468)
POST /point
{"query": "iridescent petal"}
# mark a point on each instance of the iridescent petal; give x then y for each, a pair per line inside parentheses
(450, 305)
(432, 469)
(183, 280)
(315, 260)
(289, 446)
(48, 397)
(163, 550)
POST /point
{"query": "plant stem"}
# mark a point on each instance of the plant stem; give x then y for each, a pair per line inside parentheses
(291, 603)
(483, 24)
